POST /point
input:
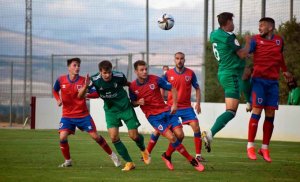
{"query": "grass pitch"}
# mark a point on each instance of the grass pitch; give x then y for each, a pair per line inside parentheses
(33, 155)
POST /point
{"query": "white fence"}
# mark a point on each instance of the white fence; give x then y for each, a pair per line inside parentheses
(287, 120)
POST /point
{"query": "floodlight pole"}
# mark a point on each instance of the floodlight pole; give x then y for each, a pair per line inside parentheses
(147, 32)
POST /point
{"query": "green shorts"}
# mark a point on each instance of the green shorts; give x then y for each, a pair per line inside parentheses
(113, 120)
(230, 84)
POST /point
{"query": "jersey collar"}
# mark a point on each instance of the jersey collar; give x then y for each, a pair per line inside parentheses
(76, 79)
(140, 84)
(178, 72)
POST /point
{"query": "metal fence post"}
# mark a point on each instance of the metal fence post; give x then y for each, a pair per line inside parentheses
(11, 93)
(129, 69)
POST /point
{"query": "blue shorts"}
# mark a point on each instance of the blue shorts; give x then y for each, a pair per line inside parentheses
(85, 124)
(164, 121)
(187, 115)
(265, 93)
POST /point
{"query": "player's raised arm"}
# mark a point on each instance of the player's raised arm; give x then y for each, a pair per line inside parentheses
(243, 52)
(83, 90)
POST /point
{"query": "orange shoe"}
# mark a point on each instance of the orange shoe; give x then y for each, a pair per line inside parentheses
(197, 165)
(146, 156)
(251, 153)
(266, 154)
(167, 161)
(129, 166)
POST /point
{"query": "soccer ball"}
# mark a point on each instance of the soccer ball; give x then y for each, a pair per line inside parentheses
(166, 22)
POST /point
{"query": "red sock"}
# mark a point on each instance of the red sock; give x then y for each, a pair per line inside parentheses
(170, 150)
(151, 145)
(268, 130)
(198, 142)
(102, 142)
(65, 150)
(252, 127)
(181, 149)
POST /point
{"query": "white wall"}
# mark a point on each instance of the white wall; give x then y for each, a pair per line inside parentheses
(287, 122)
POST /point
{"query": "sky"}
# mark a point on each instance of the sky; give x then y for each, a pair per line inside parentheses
(119, 26)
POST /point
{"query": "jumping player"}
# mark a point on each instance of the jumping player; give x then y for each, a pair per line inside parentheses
(145, 92)
(267, 49)
(117, 106)
(183, 79)
(75, 112)
(230, 56)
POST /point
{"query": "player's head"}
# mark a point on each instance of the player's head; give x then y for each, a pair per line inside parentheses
(292, 84)
(179, 59)
(225, 21)
(165, 68)
(105, 69)
(266, 26)
(140, 69)
(73, 66)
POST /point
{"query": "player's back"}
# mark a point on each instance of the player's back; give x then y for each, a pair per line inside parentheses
(150, 91)
(224, 46)
(73, 107)
(183, 83)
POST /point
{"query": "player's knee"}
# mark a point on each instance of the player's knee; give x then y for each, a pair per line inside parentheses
(114, 139)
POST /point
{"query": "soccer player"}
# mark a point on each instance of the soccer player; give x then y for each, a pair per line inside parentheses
(183, 79)
(267, 49)
(145, 92)
(117, 106)
(163, 92)
(75, 113)
(246, 86)
(229, 55)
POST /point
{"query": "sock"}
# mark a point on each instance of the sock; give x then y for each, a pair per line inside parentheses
(221, 121)
(252, 127)
(181, 149)
(250, 144)
(170, 150)
(122, 151)
(64, 147)
(140, 142)
(102, 142)
(263, 146)
(198, 142)
(152, 142)
(268, 130)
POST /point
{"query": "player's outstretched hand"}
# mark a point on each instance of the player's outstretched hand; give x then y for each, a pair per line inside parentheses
(141, 101)
(288, 76)
(198, 108)
(87, 80)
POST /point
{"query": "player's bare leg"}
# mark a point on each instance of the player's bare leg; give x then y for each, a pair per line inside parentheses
(121, 149)
(139, 140)
(231, 108)
(102, 142)
(64, 147)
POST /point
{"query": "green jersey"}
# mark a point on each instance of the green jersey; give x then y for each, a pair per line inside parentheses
(112, 92)
(225, 46)
(294, 97)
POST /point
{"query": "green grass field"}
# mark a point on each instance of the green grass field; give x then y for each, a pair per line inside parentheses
(33, 155)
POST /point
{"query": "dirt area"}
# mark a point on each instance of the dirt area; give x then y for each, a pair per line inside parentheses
(14, 125)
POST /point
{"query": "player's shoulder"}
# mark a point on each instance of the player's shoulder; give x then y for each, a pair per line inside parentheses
(96, 77)
(62, 77)
(118, 74)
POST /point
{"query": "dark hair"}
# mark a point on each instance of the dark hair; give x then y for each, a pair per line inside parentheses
(179, 53)
(224, 17)
(139, 63)
(69, 61)
(105, 65)
(269, 20)
(165, 66)
(292, 84)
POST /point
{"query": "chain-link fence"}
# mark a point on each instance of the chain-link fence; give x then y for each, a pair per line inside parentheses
(115, 30)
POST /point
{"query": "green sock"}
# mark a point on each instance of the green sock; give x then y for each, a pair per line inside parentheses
(221, 121)
(140, 142)
(122, 151)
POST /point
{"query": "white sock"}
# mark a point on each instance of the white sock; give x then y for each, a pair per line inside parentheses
(250, 144)
(264, 146)
(68, 161)
(198, 155)
(209, 135)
